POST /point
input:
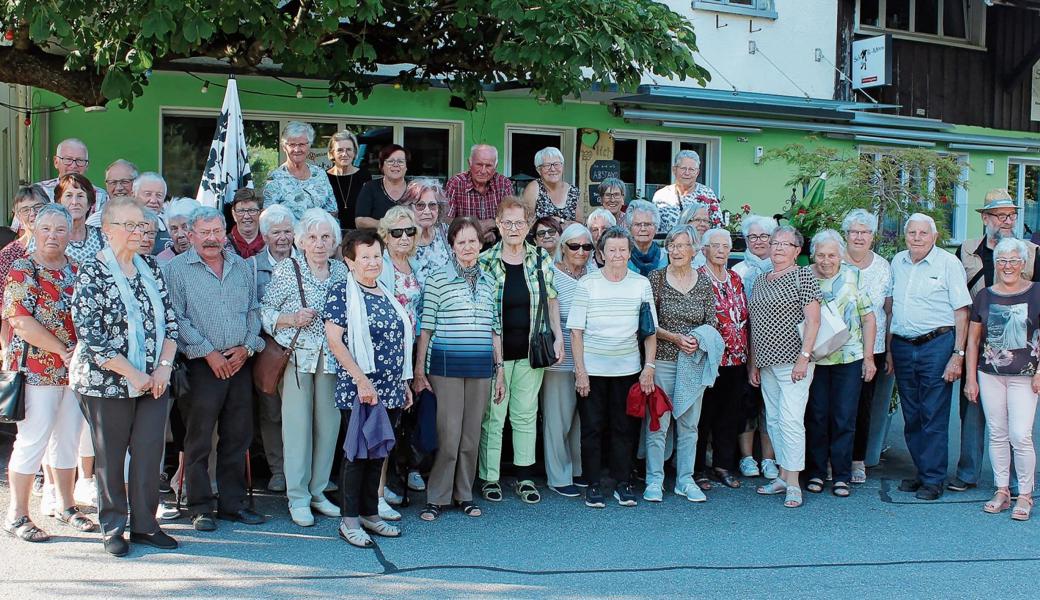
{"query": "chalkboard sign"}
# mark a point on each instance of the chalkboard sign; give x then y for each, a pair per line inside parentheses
(604, 169)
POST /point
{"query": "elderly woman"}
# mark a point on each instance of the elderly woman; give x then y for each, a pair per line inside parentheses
(550, 195)
(603, 322)
(1003, 338)
(36, 304)
(297, 184)
(460, 354)
(830, 419)
(76, 193)
(519, 271)
(290, 314)
(177, 213)
(27, 201)
(372, 337)
(684, 301)
(673, 199)
(643, 221)
(599, 221)
(432, 251)
(722, 413)
(561, 427)
(380, 195)
(781, 356)
(545, 233)
(875, 280)
(345, 178)
(120, 371)
(757, 230)
(612, 197)
(698, 215)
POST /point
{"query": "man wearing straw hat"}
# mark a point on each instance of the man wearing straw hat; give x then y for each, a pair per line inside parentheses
(999, 219)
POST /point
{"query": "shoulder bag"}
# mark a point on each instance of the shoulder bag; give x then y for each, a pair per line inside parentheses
(12, 392)
(833, 332)
(272, 361)
(541, 353)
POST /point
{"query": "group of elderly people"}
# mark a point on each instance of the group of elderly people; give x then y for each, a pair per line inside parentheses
(627, 348)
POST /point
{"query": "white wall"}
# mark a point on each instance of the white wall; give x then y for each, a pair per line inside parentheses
(789, 41)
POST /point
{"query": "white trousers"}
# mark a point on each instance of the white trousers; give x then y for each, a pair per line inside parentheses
(52, 426)
(785, 413)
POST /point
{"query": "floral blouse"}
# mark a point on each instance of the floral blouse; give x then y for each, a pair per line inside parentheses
(409, 295)
(45, 295)
(678, 312)
(102, 330)
(844, 294)
(545, 207)
(433, 256)
(283, 296)
(876, 282)
(8, 255)
(299, 195)
(731, 313)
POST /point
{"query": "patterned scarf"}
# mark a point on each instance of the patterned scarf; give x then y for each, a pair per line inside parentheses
(470, 274)
(646, 262)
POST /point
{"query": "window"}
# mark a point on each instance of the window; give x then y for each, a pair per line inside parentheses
(646, 162)
(951, 21)
(1024, 186)
(522, 143)
(751, 8)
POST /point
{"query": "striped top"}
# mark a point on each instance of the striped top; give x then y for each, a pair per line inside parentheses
(462, 322)
(608, 312)
(566, 286)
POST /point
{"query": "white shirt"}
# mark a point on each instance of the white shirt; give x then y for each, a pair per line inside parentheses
(608, 314)
(925, 294)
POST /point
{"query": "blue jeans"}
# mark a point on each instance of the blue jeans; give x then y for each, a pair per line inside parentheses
(925, 397)
(830, 419)
(880, 418)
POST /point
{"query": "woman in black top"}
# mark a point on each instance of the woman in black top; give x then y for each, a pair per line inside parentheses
(380, 195)
(345, 178)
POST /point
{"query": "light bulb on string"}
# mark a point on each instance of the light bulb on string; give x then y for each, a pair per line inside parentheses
(332, 103)
(65, 107)
(299, 92)
(205, 87)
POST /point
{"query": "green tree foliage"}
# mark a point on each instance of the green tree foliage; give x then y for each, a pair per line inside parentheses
(93, 51)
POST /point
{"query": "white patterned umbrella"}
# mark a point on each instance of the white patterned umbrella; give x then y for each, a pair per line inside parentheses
(227, 166)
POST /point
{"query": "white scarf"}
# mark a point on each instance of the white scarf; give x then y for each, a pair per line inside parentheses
(359, 339)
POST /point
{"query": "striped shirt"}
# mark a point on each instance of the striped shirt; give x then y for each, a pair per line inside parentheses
(462, 322)
(566, 287)
(608, 312)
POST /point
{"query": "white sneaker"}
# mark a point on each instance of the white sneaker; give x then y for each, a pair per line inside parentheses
(415, 481)
(301, 515)
(748, 467)
(653, 493)
(769, 469)
(48, 501)
(325, 507)
(391, 497)
(85, 492)
(691, 492)
(386, 512)
(167, 511)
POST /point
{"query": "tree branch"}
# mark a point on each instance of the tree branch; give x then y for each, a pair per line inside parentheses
(38, 69)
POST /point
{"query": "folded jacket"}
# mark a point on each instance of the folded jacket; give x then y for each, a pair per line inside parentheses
(369, 432)
(640, 405)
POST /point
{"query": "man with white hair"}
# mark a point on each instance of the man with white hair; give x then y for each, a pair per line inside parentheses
(672, 199)
(119, 179)
(930, 303)
(477, 192)
(71, 157)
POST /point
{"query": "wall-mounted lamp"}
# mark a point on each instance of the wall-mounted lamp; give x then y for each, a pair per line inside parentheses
(991, 166)
(759, 152)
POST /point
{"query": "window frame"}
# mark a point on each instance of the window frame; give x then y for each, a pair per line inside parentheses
(765, 9)
(1020, 162)
(975, 25)
(712, 175)
(568, 147)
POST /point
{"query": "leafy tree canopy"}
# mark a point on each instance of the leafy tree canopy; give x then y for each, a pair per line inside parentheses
(95, 51)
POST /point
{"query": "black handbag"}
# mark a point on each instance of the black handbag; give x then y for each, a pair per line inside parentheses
(646, 322)
(541, 353)
(12, 392)
(180, 386)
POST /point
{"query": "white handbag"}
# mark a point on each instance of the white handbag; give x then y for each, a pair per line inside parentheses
(832, 335)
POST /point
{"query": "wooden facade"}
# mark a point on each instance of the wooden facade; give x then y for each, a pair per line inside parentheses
(989, 87)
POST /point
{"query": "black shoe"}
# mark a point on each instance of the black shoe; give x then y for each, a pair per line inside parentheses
(244, 516)
(624, 495)
(116, 545)
(159, 540)
(929, 492)
(958, 485)
(910, 485)
(581, 482)
(567, 491)
(204, 522)
(593, 497)
(164, 484)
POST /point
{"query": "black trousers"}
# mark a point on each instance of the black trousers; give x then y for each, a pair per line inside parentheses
(359, 479)
(227, 405)
(722, 419)
(603, 416)
(866, 401)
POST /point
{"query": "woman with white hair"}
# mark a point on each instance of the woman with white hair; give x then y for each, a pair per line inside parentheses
(296, 183)
(875, 280)
(426, 198)
(697, 215)
(673, 199)
(830, 417)
(612, 196)
(550, 195)
(643, 221)
(1007, 373)
(599, 221)
(345, 178)
(290, 312)
(177, 213)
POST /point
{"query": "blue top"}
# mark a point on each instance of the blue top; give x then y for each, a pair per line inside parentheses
(462, 322)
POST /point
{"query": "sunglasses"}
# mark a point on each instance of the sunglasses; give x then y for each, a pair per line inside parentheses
(544, 233)
(576, 247)
(396, 233)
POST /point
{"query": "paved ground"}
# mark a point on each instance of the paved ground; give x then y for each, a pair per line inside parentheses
(879, 543)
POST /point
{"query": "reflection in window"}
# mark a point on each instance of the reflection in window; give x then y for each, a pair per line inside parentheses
(429, 148)
(897, 14)
(185, 147)
(522, 148)
(868, 13)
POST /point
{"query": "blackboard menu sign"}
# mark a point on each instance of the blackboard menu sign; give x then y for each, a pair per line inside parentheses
(600, 170)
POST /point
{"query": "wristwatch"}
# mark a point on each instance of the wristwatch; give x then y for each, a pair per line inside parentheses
(959, 353)
(165, 363)
(805, 355)
(249, 352)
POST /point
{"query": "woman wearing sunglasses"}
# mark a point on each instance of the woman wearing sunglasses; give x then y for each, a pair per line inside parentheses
(426, 198)
(562, 430)
(546, 234)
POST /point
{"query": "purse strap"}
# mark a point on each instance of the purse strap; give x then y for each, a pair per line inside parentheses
(542, 319)
(303, 299)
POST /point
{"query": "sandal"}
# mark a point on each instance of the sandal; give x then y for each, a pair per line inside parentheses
(381, 528)
(491, 491)
(702, 481)
(430, 513)
(859, 473)
(840, 489)
(355, 537)
(776, 486)
(727, 478)
(815, 485)
(997, 504)
(793, 498)
(1020, 512)
(527, 491)
(469, 509)
(24, 529)
(72, 517)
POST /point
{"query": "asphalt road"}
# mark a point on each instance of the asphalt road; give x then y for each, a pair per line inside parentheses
(879, 543)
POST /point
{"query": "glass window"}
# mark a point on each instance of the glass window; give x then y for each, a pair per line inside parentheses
(627, 153)
(897, 14)
(752, 8)
(658, 171)
(522, 148)
(371, 139)
(185, 147)
(429, 148)
(868, 13)
(926, 16)
(1023, 183)
(955, 18)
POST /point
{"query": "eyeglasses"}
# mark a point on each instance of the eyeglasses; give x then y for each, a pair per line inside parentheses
(421, 206)
(642, 225)
(30, 210)
(859, 232)
(758, 237)
(79, 162)
(552, 165)
(783, 245)
(132, 226)
(513, 225)
(119, 182)
(397, 232)
(614, 195)
(1007, 262)
(679, 246)
(545, 233)
(396, 162)
(297, 146)
(700, 220)
(687, 169)
(247, 211)
(576, 247)
(1004, 217)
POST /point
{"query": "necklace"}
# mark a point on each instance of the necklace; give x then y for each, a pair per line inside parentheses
(339, 187)
(778, 274)
(368, 287)
(711, 271)
(573, 274)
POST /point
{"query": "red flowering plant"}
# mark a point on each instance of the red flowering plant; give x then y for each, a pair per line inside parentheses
(733, 221)
(714, 209)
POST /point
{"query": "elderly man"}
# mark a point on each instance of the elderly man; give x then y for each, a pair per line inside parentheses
(218, 339)
(277, 226)
(476, 193)
(176, 215)
(930, 303)
(71, 157)
(999, 217)
(245, 238)
(119, 179)
(672, 199)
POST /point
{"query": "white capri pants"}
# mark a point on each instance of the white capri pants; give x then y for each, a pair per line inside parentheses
(53, 424)
(785, 413)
